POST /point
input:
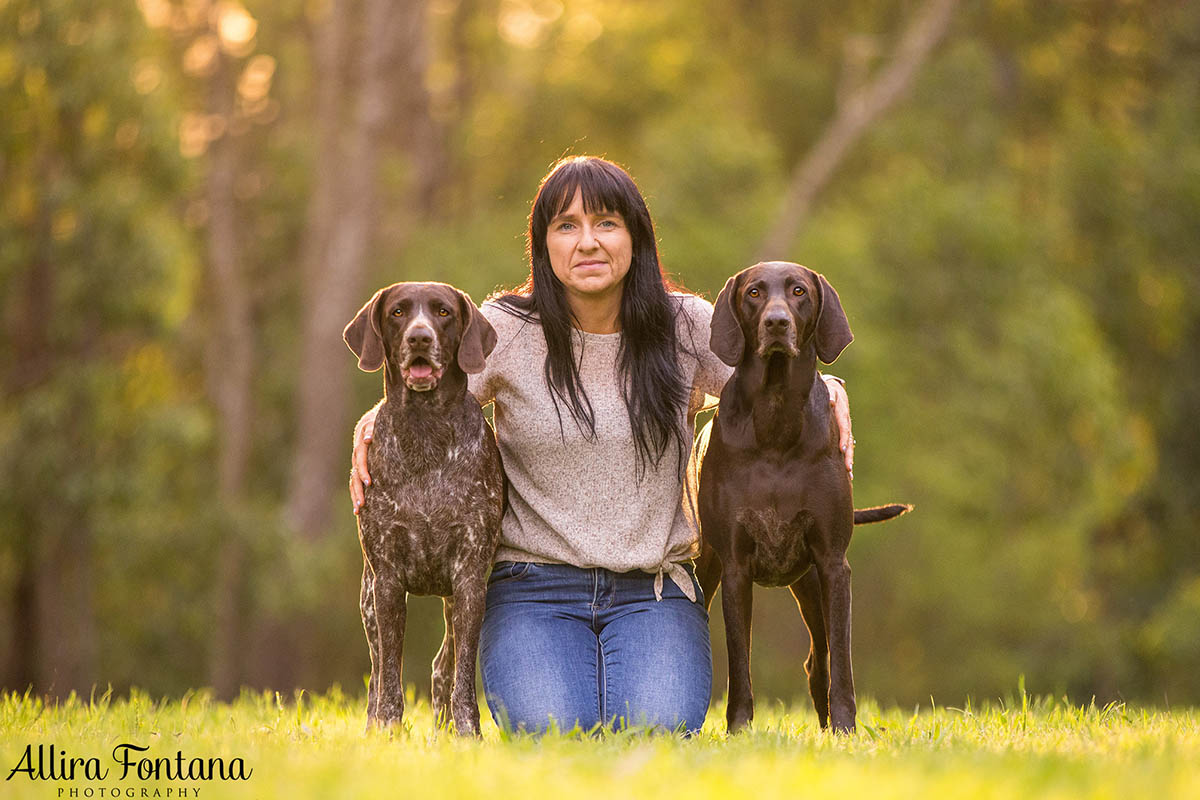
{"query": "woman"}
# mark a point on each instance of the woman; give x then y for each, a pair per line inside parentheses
(580, 626)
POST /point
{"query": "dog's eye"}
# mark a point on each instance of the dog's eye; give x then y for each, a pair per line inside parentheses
(798, 291)
(443, 313)
(397, 313)
(753, 292)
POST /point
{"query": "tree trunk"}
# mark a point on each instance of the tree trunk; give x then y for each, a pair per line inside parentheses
(21, 664)
(329, 73)
(230, 367)
(338, 289)
(31, 366)
(53, 624)
(860, 109)
(66, 641)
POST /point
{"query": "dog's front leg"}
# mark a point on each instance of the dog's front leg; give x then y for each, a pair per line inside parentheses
(807, 591)
(443, 668)
(366, 604)
(391, 610)
(468, 619)
(835, 602)
(737, 606)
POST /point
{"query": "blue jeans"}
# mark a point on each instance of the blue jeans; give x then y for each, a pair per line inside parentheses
(590, 647)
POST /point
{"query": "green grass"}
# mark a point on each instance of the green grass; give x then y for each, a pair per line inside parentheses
(316, 747)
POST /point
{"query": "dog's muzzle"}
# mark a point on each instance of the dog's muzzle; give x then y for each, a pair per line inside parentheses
(777, 333)
(422, 373)
(421, 365)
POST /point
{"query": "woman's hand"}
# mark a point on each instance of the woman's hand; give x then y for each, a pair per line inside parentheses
(841, 412)
(359, 476)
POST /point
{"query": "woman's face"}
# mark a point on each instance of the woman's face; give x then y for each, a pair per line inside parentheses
(589, 253)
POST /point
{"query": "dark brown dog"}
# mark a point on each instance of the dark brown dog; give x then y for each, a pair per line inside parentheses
(430, 522)
(773, 495)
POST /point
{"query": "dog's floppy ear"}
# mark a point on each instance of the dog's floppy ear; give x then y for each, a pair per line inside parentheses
(833, 329)
(727, 339)
(362, 335)
(478, 336)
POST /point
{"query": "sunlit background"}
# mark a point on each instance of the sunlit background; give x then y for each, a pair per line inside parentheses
(197, 196)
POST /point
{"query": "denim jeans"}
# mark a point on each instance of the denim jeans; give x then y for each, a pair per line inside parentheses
(589, 646)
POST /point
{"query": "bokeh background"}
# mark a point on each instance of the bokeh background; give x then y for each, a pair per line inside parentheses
(197, 196)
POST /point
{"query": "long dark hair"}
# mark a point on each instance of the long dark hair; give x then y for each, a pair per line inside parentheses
(652, 382)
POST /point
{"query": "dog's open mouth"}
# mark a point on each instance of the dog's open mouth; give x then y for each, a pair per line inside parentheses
(421, 374)
(778, 346)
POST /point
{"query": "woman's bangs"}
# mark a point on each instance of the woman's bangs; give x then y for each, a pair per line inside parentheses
(601, 192)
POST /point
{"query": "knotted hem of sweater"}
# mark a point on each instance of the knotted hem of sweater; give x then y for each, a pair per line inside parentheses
(679, 576)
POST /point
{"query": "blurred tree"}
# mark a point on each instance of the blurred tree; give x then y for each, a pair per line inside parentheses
(344, 209)
(215, 51)
(95, 271)
(859, 104)
(225, 80)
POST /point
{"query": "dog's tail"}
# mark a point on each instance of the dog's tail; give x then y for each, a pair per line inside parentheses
(862, 516)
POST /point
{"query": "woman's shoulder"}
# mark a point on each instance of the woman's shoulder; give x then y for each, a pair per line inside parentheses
(692, 304)
(693, 311)
(512, 325)
(693, 321)
(506, 316)
(695, 325)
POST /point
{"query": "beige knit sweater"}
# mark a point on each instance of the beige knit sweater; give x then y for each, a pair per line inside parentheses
(575, 501)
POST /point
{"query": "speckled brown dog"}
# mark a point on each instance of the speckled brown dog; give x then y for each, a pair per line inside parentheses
(773, 495)
(430, 522)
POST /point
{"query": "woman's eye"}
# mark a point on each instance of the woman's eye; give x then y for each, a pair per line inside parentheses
(443, 313)
(798, 291)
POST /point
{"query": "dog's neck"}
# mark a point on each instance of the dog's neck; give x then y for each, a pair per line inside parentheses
(417, 429)
(774, 395)
(405, 408)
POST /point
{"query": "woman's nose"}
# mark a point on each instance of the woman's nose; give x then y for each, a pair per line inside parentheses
(587, 240)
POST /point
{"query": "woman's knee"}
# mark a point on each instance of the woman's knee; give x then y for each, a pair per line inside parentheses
(682, 712)
(537, 713)
(658, 668)
(539, 671)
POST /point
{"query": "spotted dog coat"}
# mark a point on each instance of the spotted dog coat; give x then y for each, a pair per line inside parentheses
(430, 522)
(769, 481)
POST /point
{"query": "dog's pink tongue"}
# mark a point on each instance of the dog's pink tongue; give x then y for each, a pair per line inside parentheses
(420, 370)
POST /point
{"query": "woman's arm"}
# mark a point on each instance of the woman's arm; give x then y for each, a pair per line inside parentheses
(359, 476)
(841, 412)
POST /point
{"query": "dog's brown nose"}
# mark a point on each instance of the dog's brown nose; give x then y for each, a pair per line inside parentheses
(776, 320)
(419, 336)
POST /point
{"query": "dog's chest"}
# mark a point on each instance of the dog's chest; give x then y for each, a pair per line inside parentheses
(780, 553)
(431, 515)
